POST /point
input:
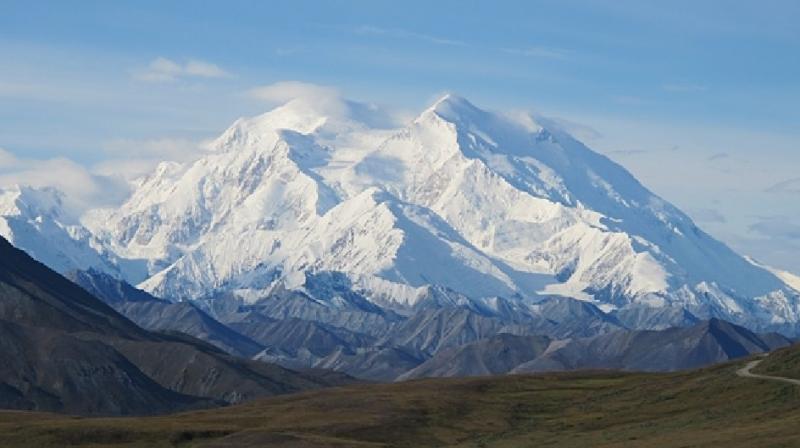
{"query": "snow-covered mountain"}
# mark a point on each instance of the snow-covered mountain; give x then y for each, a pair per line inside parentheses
(35, 220)
(471, 202)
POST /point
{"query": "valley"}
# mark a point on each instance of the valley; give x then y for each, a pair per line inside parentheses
(406, 224)
(711, 407)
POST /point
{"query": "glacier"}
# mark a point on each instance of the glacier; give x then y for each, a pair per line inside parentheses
(460, 205)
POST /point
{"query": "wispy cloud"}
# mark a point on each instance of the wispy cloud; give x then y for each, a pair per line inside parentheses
(162, 69)
(83, 188)
(628, 100)
(398, 33)
(105, 183)
(706, 215)
(164, 148)
(315, 99)
(719, 156)
(289, 51)
(132, 158)
(684, 88)
(579, 130)
(791, 186)
(283, 91)
(628, 152)
(535, 51)
(641, 152)
(538, 52)
(776, 227)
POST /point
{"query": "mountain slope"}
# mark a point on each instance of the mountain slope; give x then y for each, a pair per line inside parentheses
(185, 317)
(36, 220)
(160, 315)
(47, 370)
(704, 343)
(54, 359)
(377, 363)
(298, 342)
(784, 362)
(67, 351)
(492, 356)
(477, 202)
(711, 407)
(36, 296)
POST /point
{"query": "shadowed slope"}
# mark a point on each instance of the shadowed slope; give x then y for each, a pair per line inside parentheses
(702, 344)
(65, 350)
(161, 315)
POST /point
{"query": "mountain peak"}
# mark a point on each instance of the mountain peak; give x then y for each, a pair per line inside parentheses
(460, 193)
(452, 107)
(298, 116)
(30, 201)
(452, 99)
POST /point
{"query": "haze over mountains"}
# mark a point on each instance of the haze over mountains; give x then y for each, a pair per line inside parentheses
(312, 236)
(476, 202)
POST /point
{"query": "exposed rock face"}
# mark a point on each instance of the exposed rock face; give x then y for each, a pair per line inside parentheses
(492, 356)
(344, 215)
(704, 343)
(160, 315)
(65, 350)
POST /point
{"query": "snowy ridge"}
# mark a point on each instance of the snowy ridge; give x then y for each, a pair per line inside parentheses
(478, 203)
(35, 220)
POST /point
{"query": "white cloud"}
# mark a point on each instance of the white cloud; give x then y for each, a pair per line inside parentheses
(738, 187)
(130, 159)
(538, 52)
(162, 69)
(319, 99)
(285, 91)
(177, 149)
(305, 96)
(7, 159)
(83, 188)
(204, 70)
(581, 131)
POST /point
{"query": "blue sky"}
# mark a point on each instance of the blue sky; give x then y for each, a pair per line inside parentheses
(699, 99)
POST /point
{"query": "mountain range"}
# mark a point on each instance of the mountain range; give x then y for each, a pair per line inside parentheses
(453, 340)
(466, 242)
(481, 206)
(64, 350)
(715, 406)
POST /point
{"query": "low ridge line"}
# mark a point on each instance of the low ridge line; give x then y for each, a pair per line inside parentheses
(745, 372)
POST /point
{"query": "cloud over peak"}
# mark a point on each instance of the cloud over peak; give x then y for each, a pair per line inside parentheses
(83, 189)
(706, 215)
(319, 99)
(285, 91)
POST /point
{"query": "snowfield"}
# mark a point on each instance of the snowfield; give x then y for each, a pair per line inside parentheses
(479, 204)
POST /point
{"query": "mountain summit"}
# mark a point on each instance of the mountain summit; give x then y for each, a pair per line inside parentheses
(481, 204)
